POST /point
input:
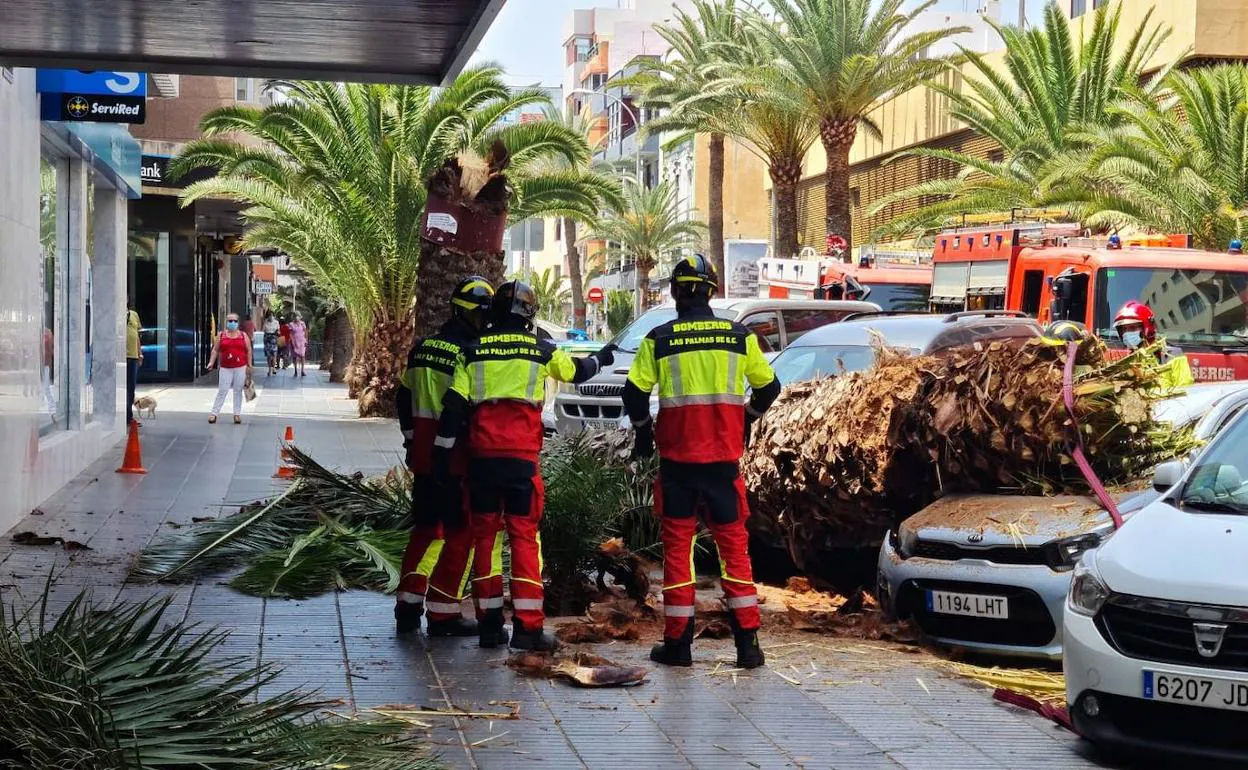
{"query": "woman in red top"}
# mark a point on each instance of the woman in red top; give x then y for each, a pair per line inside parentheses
(234, 350)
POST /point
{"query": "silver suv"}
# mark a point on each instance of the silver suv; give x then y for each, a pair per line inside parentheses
(776, 323)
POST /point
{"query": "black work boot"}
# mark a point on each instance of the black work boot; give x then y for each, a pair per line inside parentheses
(490, 630)
(675, 652)
(407, 616)
(535, 640)
(749, 653)
(457, 626)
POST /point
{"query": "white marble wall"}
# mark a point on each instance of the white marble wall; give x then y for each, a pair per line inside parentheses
(32, 469)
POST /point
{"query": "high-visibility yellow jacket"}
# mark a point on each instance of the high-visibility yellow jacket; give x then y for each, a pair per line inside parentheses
(701, 365)
(422, 387)
(1174, 372)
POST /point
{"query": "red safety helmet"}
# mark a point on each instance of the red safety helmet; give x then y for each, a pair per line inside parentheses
(1138, 313)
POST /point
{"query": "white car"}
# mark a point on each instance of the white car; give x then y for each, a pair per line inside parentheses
(1156, 623)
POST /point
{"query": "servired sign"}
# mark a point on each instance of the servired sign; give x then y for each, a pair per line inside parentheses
(594, 294)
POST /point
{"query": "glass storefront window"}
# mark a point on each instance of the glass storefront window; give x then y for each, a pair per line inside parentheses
(149, 285)
(54, 240)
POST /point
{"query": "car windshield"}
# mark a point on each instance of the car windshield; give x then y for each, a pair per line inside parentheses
(1216, 484)
(806, 363)
(630, 339)
(901, 296)
(1192, 307)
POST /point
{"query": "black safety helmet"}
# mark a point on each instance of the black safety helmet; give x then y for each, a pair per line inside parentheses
(1066, 331)
(694, 277)
(513, 300)
(471, 301)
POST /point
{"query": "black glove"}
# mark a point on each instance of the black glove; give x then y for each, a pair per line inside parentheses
(749, 427)
(606, 356)
(441, 463)
(643, 443)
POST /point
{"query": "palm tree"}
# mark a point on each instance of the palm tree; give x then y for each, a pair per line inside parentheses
(684, 84)
(1179, 165)
(838, 59)
(1052, 89)
(551, 295)
(647, 225)
(337, 179)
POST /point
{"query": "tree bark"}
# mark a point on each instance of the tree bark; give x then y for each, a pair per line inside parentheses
(837, 137)
(785, 174)
(642, 276)
(715, 205)
(576, 276)
(341, 345)
(327, 350)
(379, 364)
(440, 269)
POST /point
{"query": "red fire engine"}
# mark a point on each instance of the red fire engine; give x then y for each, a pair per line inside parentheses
(894, 281)
(1056, 272)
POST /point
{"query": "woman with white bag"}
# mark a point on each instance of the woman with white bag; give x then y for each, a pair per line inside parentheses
(233, 348)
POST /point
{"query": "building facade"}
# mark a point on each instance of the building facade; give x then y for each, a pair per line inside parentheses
(64, 188)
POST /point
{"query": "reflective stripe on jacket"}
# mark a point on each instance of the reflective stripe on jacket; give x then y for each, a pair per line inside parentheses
(503, 378)
(701, 365)
(429, 374)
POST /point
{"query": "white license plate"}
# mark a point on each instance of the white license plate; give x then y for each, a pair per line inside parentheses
(600, 424)
(1196, 690)
(970, 605)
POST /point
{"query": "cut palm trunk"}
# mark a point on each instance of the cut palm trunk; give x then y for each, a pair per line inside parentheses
(837, 462)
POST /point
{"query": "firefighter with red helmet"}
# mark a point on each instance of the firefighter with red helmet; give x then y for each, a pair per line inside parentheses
(701, 365)
(500, 389)
(436, 559)
(1137, 328)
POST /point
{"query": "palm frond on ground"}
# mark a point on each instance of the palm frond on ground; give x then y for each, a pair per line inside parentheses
(335, 175)
(648, 225)
(837, 60)
(128, 687)
(1052, 90)
(1178, 165)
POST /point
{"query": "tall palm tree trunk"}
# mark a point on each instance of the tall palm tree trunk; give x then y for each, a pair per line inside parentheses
(379, 364)
(644, 264)
(575, 276)
(715, 204)
(341, 344)
(837, 137)
(785, 174)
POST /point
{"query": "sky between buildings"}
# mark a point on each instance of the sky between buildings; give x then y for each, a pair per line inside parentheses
(527, 36)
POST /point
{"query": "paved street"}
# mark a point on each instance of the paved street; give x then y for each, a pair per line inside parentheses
(854, 705)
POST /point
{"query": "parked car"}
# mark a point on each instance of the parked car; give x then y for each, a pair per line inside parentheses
(776, 322)
(574, 341)
(1156, 623)
(991, 572)
(851, 345)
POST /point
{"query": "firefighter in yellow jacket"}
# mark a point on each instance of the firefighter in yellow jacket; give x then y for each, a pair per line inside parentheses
(701, 365)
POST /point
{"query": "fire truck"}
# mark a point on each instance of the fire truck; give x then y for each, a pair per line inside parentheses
(896, 281)
(1059, 272)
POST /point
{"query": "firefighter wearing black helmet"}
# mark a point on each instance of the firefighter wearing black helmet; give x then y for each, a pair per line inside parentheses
(437, 554)
(500, 386)
(1065, 331)
(701, 365)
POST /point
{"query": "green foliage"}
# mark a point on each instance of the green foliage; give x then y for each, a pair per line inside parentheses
(130, 687)
(619, 310)
(1053, 91)
(1175, 165)
(332, 557)
(552, 297)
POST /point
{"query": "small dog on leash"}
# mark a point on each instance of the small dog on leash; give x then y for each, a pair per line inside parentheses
(146, 407)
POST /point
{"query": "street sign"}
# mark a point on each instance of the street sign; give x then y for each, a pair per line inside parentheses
(594, 294)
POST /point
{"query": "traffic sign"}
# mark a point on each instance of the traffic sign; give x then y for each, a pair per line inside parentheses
(594, 295)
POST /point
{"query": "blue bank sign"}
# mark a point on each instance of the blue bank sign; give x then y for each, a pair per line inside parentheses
(95, 96)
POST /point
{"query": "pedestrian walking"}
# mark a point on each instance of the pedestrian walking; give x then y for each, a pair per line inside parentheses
(299, 345)
(500, 388)
(233, 349)
(701, 365)
(283, 343)
(270, 329)
(134, 359)
(437, 555)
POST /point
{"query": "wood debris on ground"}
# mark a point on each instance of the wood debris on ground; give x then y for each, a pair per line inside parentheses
(582, 669)
(802, 608)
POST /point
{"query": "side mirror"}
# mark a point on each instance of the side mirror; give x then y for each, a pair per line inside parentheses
(1167, 475)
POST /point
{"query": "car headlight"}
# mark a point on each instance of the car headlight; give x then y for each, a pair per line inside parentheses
(1087, 591)
(906, 541)
(567, 387)
(1064, 554)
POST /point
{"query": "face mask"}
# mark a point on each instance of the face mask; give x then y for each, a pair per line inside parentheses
(231, 325)
(1133, 339)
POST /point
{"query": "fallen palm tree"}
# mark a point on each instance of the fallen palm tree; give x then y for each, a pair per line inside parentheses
(129, 687)
(838, 461)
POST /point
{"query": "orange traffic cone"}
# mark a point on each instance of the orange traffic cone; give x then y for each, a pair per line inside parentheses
(284, 468)
(133, 461)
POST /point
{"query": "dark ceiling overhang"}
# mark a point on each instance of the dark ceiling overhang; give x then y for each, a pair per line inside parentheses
(396, 41)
